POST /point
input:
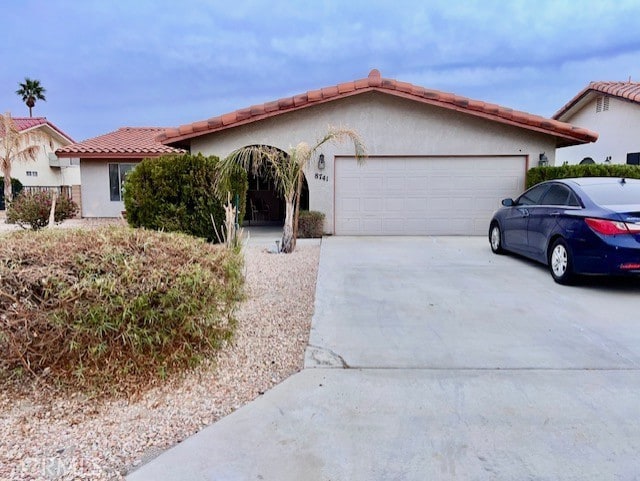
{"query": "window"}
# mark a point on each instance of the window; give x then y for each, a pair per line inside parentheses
(117, 175)
(557, 195)
(32, 173)
(533, 195)
(633, 158)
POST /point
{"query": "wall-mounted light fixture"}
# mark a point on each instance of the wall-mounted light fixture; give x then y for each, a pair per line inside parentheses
(321, 163)
(543, 160)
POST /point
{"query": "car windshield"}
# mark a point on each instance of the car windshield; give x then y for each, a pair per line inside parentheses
(614, 194)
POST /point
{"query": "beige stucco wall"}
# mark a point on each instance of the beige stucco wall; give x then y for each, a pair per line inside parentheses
(47, 176)
(389, 126)
(96, 199)
(618, 129)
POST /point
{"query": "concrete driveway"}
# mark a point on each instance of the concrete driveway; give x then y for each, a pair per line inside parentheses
(431, 358)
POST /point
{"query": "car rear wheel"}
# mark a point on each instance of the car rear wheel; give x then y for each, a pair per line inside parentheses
(495, 239)
(560, 262)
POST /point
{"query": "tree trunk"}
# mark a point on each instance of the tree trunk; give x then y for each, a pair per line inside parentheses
(52, 212)
(287, 233)
(8, 194)
(296, 212)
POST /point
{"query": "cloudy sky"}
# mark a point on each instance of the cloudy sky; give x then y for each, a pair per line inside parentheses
(108, 64)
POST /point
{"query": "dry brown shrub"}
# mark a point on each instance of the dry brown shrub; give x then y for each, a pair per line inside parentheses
(113, 306)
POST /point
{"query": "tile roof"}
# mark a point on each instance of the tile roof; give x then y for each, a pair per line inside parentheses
(126, 142)
(27, 123)
(565, 133)
(623, 90)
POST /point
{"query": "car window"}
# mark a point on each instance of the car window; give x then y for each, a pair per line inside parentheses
(614, 193)
(573, 200)
(533, 195)
(556, 195)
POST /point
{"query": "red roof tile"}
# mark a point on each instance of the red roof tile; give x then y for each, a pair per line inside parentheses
(624, 90)
(27, 123)
(565, 133)
(128, 142)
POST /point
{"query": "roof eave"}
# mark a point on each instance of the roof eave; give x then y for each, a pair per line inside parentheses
(109, 155)
(564, 139)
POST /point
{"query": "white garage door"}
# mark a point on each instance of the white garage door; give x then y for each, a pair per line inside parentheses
(423, 195)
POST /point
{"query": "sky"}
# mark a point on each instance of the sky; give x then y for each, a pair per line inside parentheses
(110, 64)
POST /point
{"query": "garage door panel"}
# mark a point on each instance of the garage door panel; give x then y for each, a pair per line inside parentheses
(423, 195)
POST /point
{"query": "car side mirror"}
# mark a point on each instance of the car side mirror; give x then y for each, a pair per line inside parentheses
(508, 202)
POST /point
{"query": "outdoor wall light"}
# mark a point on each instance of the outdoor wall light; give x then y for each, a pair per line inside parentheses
(543, 161)
(321, 163)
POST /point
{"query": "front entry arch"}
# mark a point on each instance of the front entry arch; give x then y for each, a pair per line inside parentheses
(265, 204)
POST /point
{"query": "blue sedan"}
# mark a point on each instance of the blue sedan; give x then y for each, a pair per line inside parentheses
(588, 225)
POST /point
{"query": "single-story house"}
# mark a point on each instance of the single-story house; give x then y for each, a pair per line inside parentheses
(104, 163)
(613, 110)
(438, 163)
(47, 171)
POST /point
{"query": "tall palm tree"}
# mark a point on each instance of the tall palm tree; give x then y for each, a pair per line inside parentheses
(16, 146)
(30, 91)
(287, 171)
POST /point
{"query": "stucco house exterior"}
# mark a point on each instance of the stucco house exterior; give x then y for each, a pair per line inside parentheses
(613, 110)
(104, 163)
(47, 170)
(438, 163)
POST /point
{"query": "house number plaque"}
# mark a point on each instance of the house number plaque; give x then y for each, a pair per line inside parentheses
(322, 177)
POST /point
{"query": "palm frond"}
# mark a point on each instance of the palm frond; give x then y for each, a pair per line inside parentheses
(337, 135)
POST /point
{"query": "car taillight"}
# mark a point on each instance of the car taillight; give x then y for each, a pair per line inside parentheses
(608, 227)
(630, 266)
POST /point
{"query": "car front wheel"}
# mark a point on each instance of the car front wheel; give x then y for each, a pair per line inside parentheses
(495, 239)
(560, 262)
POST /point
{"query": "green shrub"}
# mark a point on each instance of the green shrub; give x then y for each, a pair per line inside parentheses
(540, 174)
(114, 307)
(176, 193)
(310, 224)
(33, 208)
(16, 187)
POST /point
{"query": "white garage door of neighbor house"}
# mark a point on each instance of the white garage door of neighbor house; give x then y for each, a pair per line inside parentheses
(423, 195)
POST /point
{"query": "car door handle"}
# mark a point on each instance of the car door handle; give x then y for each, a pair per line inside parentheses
(554, 214)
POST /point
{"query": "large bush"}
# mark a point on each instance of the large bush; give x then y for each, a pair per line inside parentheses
(107, 308)
(177, 193)
(33, 209)
(16, 187)
(540, 174)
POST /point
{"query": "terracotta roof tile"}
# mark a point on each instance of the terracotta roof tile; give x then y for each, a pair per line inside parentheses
(565, 133)
(624, 90)
(27, 123)
(130, 142)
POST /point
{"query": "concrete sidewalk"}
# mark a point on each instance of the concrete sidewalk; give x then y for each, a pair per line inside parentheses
(431, 358)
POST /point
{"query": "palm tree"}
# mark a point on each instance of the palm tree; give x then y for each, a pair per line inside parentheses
(15, 146)
(287, 171)
(30, 91)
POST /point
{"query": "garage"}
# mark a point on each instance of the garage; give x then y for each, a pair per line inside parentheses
(432, 195)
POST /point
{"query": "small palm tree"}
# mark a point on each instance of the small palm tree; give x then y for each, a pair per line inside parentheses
(16, 146)
(287, 171)
(30, 91)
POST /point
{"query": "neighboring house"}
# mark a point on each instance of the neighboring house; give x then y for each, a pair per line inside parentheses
(613, 110)
(47, 170)
(105, 161)
(438, 163)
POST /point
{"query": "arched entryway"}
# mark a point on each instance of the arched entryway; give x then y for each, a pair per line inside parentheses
(265, 205)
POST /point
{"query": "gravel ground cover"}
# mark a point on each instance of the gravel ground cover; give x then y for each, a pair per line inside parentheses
(46, 435)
